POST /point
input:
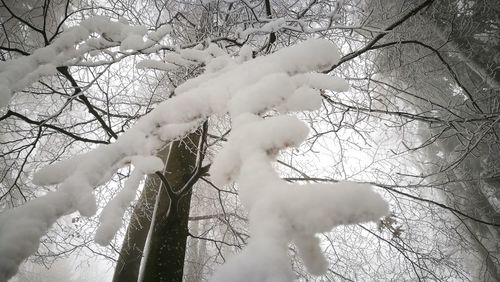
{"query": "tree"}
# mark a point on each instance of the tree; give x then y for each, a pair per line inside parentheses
(447, 57)
(391, 116)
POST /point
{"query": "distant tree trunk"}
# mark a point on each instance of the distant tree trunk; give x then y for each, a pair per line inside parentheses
(129, 261)
(196, 253)
(167, 243)
(469, 198)
(472, 38)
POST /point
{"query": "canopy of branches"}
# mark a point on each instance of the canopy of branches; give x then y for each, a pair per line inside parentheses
(168, 137)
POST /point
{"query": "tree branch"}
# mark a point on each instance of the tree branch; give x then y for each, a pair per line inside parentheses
(65, 71)
(43, 123)
(377, 38)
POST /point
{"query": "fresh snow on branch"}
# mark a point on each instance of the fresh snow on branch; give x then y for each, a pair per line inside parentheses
(92, 34)
(157, 65)
(111, 216)
(280, 213)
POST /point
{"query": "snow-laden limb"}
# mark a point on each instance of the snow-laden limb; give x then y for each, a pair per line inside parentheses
(91, 35)
(219, 90)
(22, 228)
(272, 26)
(279, 212)
(112, 215)
(155, 64)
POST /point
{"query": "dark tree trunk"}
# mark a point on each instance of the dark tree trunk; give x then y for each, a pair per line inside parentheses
(129, 261)
(167, 244)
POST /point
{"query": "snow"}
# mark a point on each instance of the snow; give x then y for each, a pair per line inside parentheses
(21, 72)
(161, 32)
(302, 99)
(81, 194)
(132, 42)
(245, 54)
(215, 51)
(311, 254)
(218, 64)
(154, 64)
(194, 55)
(173, 131)
(22, 228)
(280, 213)
(46, 70)
(44, 55)
(322, 81)
(177, 59)
(251, 135)
(147, 164)
(269, 91)
(317, 55)
(273, 26)
(5, 95)
(269, 27)
(111, 216)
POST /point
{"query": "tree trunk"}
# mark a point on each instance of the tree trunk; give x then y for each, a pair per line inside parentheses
(129, 261)
(167, 244)
(196, 253)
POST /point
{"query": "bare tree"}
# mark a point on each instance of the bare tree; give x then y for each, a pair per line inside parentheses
(420, 123)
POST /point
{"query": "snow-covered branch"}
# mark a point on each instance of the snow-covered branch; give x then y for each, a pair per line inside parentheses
(279, 212)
